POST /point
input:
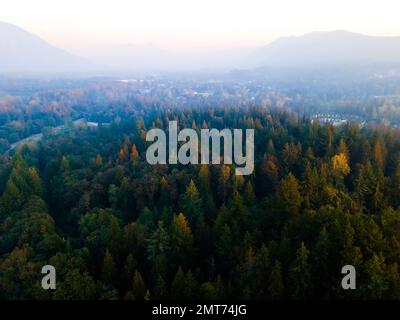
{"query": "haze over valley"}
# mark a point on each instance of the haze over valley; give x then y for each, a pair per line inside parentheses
(23, 52)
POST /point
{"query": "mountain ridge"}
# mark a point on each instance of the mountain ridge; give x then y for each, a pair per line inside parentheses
(327, 48)
(22, 51)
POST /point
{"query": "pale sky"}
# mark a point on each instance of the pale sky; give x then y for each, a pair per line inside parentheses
(187, 23)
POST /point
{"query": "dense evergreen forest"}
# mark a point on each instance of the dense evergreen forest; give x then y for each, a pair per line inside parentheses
(86, 201)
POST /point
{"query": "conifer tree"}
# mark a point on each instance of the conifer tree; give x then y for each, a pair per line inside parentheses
(288, 195)
(192, 203)
(300, 274)
(178, 287)
(108, 269)
(275, 287)
(139, 290)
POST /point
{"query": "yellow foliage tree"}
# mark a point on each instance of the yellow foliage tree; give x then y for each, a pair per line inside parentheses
(182, 228)
(340, 165)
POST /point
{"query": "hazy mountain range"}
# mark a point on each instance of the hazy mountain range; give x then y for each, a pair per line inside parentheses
(21, 51)
(327, 48)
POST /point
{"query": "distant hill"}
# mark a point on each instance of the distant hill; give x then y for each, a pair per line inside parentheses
(21, 51)
(326, 48)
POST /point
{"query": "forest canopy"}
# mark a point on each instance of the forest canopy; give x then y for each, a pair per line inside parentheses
(115, 227)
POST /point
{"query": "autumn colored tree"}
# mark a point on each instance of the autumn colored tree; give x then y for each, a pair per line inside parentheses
(181, 240)
(340, 167)
(288, 195)
(134, 155)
